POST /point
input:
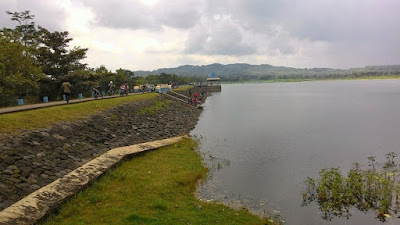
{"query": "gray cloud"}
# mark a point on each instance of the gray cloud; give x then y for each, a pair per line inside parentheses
(47, 13)
(347, 33)
(136, 15)
(218, 36)
(122, 14)
(341, 20)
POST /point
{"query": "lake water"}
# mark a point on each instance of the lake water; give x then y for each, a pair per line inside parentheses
(261, 141)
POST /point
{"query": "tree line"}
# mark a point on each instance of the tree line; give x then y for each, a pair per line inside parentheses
(239, 72)
(34, 62)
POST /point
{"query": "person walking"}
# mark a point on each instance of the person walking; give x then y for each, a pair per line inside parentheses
(111, 87)
(67, 90)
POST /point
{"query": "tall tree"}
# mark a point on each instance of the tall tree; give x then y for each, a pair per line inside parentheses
(53, 54)
(19, 75)
(26, 26)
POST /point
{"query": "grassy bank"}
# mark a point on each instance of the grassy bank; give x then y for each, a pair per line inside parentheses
(155, 188)
(183, 88)
(32, 119)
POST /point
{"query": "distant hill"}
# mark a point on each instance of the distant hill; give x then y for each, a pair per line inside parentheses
(265, 71)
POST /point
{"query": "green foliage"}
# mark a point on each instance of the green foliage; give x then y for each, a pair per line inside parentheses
(19, 76)
(26, 27)
(26, 53)
(158, 188)
(364, 189)
(53, 54)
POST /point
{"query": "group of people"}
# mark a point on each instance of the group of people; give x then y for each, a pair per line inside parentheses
(123, 90)
(197, 99)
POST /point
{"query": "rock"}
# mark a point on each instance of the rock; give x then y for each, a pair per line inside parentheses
(34, 187)
(25, 171)
(64, 152)
(58, 137)
(3, 205)
(3, 189)
(36, 164)
(13, 167)
(8, 172)
(32, 180)
(29, 157)
(35, 143)
(41, 154)
(50, 173)
(59, 175)
(45, 134)
(9, 161)
(44, 176)
(14, 180)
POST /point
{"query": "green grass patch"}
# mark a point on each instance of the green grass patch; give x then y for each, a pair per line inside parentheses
(13, 122)
(154, 188)
(155, 107)
(183, 88)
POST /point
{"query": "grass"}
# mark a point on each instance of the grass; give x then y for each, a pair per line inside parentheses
(154, 188)
(32, 119)
(183, 88)
(155, 107)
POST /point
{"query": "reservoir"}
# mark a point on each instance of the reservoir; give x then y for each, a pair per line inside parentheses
(261, 141)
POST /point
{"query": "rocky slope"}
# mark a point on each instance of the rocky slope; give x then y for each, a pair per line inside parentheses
(36, 158)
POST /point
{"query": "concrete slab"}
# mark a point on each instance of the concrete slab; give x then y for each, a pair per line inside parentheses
(35, 206)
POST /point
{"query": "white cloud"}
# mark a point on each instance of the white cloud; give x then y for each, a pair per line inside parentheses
(150, 34)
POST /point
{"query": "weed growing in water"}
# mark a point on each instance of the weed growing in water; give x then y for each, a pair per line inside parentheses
(365, 189)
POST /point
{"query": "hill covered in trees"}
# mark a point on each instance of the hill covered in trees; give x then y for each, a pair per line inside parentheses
(243, 71)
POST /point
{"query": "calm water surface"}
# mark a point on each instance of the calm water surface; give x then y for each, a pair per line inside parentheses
(261, 141)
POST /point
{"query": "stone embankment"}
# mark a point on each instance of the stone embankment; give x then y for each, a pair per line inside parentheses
(33, 159)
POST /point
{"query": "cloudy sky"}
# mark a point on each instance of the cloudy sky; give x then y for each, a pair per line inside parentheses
(152, 34)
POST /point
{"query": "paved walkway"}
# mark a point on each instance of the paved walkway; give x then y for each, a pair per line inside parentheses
(50, 104)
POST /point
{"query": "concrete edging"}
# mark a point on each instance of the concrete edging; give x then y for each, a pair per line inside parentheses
(35, 206)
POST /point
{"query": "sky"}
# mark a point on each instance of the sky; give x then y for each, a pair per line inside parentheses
(152, 34)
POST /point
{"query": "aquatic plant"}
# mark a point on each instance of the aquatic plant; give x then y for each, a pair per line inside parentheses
(365, 189)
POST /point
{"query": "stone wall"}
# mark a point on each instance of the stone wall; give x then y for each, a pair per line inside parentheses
(36, 158)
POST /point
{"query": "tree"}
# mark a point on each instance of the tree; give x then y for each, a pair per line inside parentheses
(102, 69)
(53, 56)
(152, 79)
(19, 75)
(26, 26)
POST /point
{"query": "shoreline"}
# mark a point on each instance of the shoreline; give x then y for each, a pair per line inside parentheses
(137, 192)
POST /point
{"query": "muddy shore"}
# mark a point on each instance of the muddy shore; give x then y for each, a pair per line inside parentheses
(33, 159)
